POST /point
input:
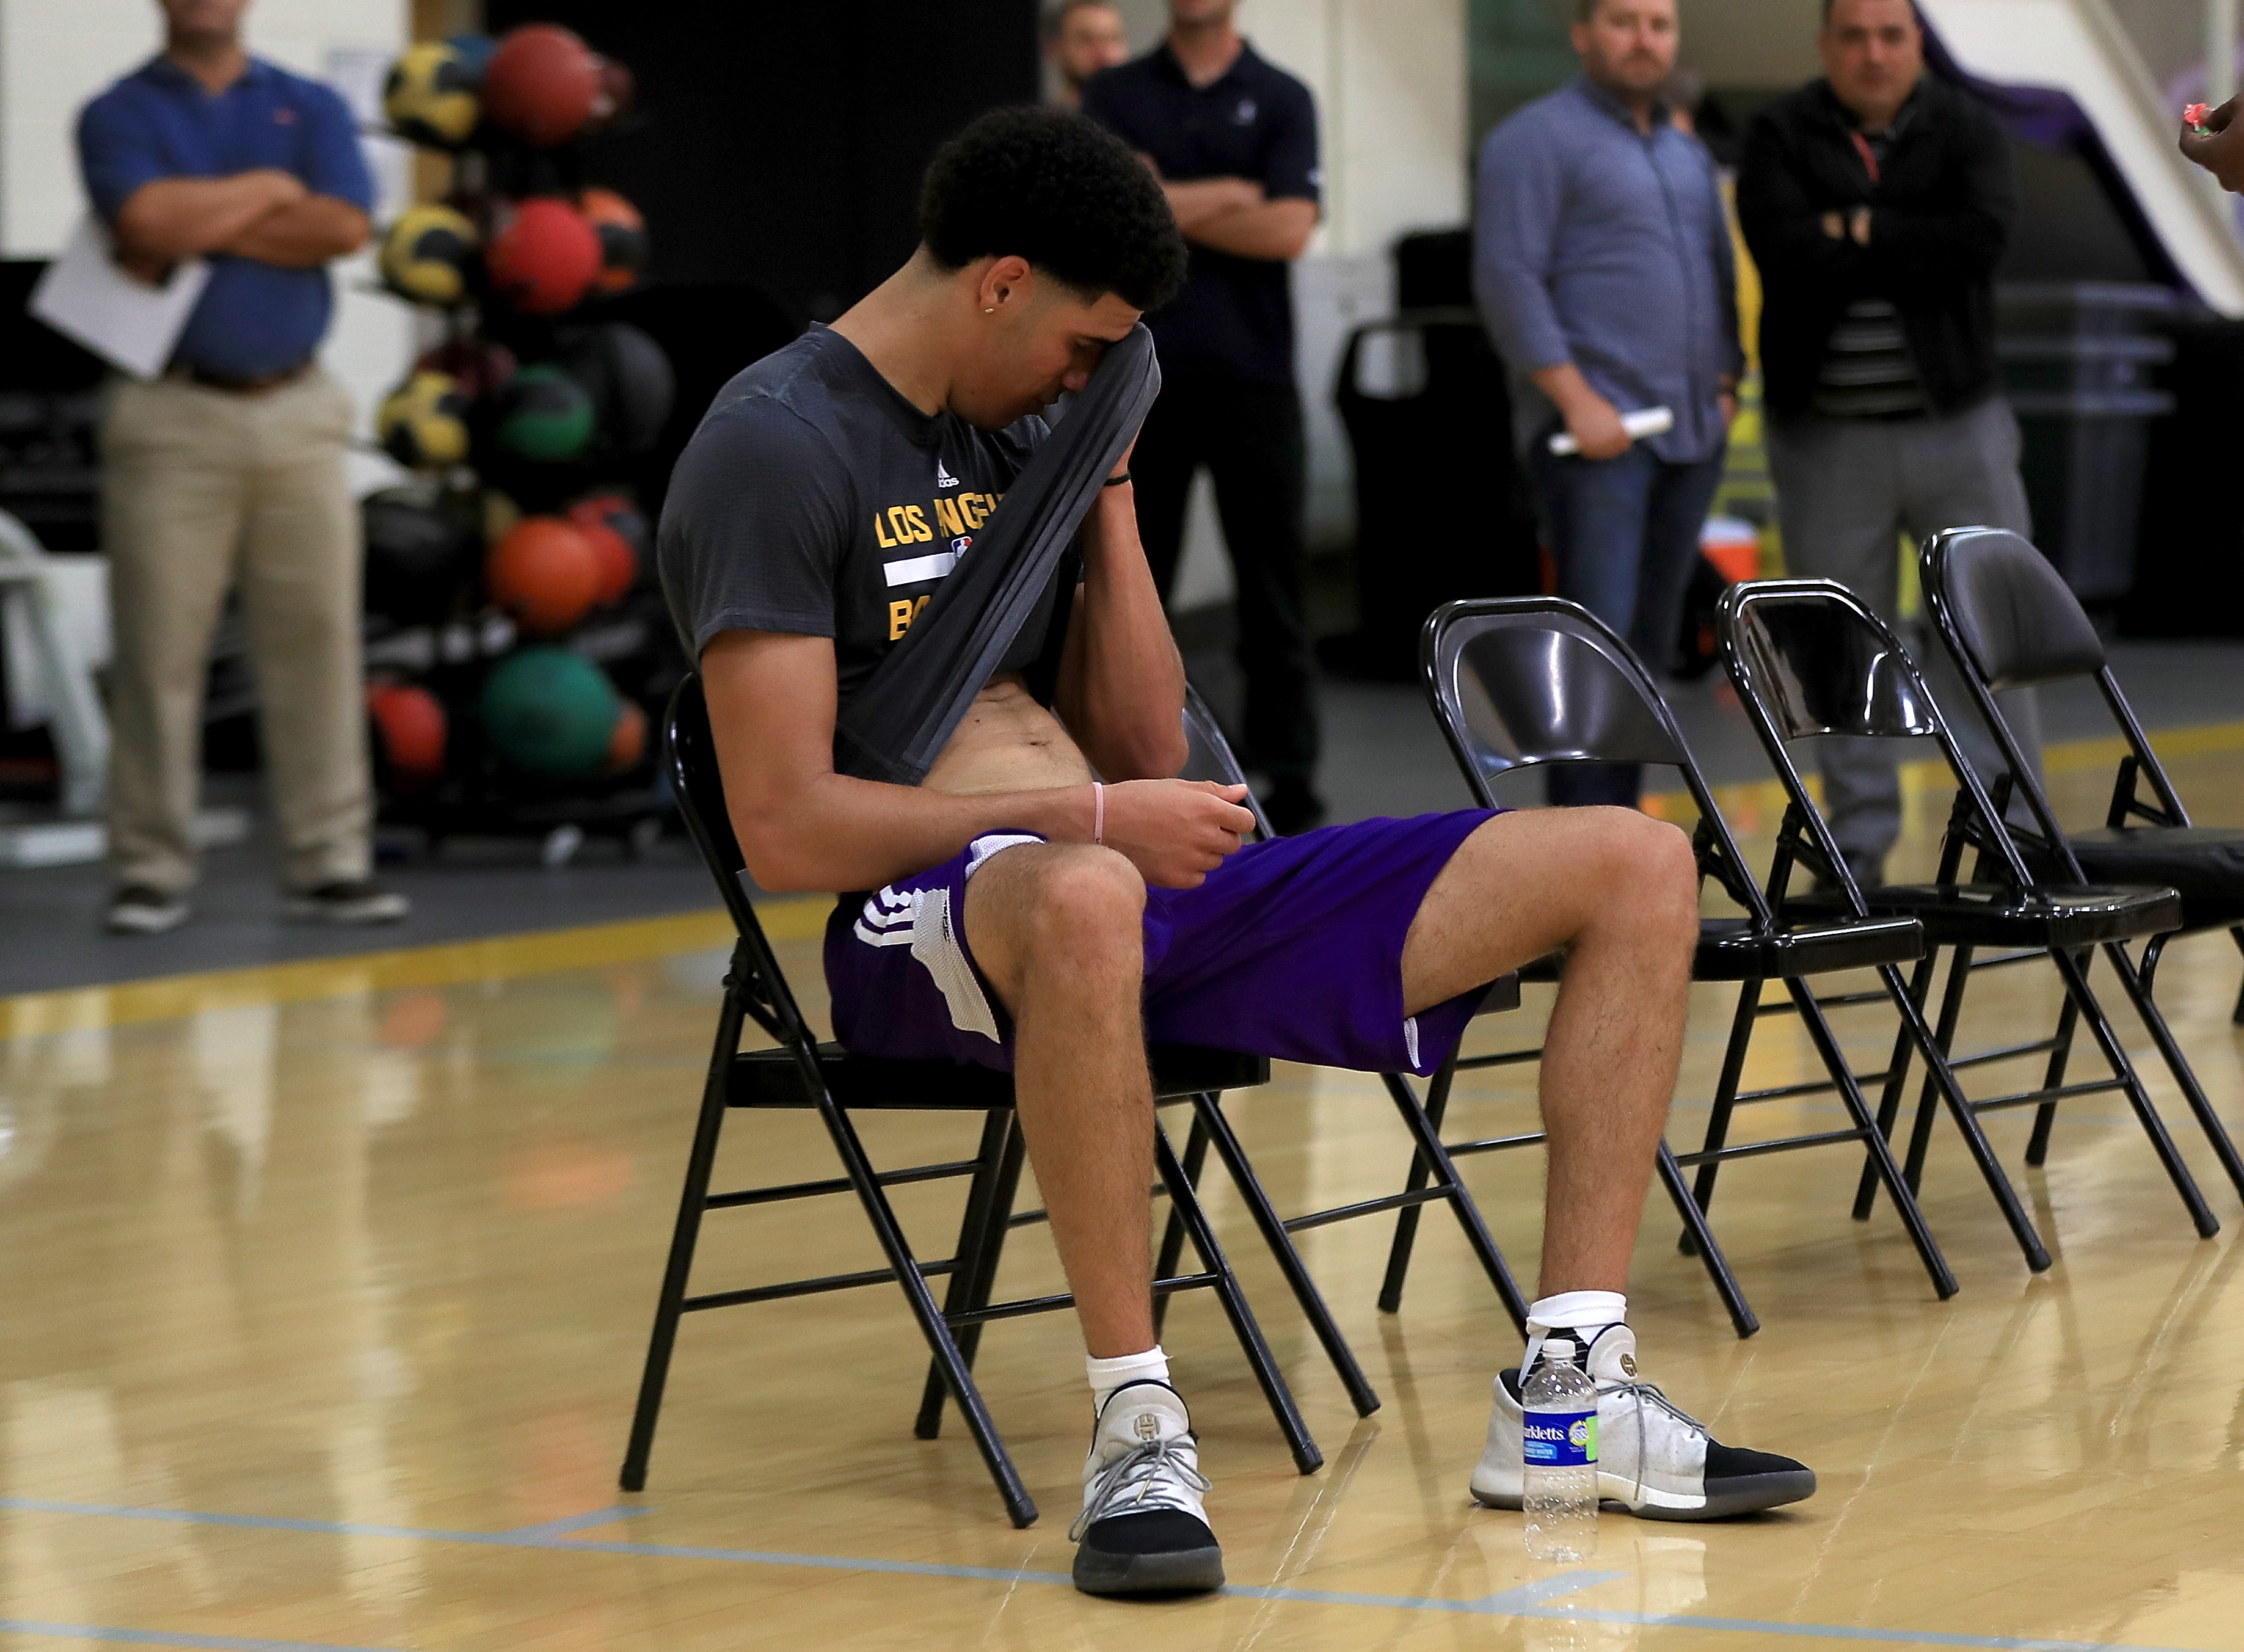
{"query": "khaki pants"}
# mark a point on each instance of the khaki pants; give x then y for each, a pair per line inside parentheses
(202, 488)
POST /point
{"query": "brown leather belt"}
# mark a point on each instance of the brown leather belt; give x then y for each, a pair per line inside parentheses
(257, 386)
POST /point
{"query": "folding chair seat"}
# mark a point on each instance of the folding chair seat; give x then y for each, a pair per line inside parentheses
(1809, 660)
(802, 1074)
(1519, 682)
(1212, 759)
(2007, 619)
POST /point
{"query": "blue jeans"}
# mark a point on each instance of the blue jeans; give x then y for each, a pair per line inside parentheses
(1624, 533)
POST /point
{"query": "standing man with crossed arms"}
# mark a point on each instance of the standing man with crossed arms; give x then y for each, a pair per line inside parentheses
(230, 467)
(1877, 202)
(1049, 898)
(1233, 140)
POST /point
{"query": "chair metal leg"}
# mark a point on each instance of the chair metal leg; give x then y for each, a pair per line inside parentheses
(1920, 983)
(1306, 1457)
(2068, 1021)
(2115, 1054)
(1173, 1235)
(1406, 1220)
(1209, 1120)
(2138, 992)
(1952, 1012)
(1460, 1201)
(692, 1204)
(1019, 1506)
(1726, 1100)
(1959, 1107)
(970, 1282)
(1698, 1238)
(2236, 1016)
(1881, 1158)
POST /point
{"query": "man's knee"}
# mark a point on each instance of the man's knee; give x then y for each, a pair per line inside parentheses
(1651, 880)
(1074, 905)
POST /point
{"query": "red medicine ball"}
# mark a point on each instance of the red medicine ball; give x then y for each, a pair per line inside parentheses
(545, 573)
(408, 725)
(542, 85)
(545, 260)
(610, 522)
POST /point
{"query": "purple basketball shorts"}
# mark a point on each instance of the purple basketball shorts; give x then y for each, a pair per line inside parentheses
(1291, 949)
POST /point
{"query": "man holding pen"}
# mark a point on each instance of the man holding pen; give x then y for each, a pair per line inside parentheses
(1603, 267)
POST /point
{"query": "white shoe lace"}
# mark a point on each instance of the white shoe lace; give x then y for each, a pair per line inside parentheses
(1135, 1480)
(1641, 1393)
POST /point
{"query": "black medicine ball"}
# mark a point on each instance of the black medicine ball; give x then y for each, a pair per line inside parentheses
(631, 381)
(416, 554)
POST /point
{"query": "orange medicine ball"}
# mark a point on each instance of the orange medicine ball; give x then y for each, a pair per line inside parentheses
(410, 728)
(545, 573)
(542, 85)
(628, 744)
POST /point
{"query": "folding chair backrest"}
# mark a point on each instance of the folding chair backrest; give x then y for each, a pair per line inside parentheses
(1211, 758)
(1523, 681)
(692, 754)
(2016, 618)
(1820, 663)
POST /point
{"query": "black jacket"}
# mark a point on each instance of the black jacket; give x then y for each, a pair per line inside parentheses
(1940, 217)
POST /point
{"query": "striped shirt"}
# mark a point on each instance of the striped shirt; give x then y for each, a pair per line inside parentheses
(1866, 372)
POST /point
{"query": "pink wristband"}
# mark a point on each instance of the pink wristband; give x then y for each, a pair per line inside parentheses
(1098, 813)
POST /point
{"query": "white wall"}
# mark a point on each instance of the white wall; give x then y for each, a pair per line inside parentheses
(56, 54)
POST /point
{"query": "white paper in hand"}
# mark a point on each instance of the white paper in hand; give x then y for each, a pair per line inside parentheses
(1644, 421)
(84, 296)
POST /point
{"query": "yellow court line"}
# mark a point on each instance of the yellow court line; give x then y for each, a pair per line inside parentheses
(501, 957)
(2066, 757)
(633, 940)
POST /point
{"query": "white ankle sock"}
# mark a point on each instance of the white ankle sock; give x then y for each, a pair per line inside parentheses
(1107, 1375)
(1570, 1311)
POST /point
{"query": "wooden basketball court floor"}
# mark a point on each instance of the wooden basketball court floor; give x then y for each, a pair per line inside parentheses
(323, 1290)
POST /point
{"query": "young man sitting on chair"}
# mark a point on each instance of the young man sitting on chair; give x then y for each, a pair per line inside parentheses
(806, 525)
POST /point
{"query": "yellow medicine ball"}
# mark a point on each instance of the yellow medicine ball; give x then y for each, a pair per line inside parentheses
(430, 96)
(428, 253)
(423, 422)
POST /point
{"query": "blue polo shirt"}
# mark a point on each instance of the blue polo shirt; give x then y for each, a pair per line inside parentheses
(1256, 121)
(160, 122)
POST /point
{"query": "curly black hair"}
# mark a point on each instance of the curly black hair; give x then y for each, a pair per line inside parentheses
(1055, 188)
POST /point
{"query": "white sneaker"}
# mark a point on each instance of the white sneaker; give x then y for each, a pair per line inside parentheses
(138, 909)
(1652, 1459)
(1143, 1530)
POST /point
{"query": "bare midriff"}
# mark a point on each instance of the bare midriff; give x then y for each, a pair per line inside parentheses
(1008, 743)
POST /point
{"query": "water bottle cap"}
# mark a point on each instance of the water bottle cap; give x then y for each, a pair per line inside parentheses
(1557, 1348)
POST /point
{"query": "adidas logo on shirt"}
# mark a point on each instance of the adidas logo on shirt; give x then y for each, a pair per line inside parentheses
(942, 477)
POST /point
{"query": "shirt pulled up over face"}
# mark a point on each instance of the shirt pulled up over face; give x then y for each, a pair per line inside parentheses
(814, 500)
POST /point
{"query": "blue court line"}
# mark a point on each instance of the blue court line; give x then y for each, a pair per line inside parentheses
(166, 1638)
(598, 1517)
(1529, 1600)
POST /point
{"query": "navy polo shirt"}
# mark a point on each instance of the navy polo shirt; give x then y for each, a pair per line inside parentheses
(160, 122)
(1253, 121)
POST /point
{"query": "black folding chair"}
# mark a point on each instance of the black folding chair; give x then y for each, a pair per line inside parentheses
(2008, 620)
(1212, 759)
(1519, 682)
(801, 1073)
(1811, 660)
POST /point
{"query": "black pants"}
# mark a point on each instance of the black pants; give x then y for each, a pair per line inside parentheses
(1249, 435)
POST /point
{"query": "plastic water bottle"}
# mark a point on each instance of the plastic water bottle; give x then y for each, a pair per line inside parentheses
(1561, 1443)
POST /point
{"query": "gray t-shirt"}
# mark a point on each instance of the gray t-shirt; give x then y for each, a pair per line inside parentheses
(814, 499)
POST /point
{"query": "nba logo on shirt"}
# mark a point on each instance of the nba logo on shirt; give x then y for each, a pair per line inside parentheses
(959, 547)
(1245, 115)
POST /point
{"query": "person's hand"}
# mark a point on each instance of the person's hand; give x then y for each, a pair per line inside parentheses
(1595, 423)
(1858, 226)
(2221, 151)
(1726, 401)
(1835, 226)
(1176, 832)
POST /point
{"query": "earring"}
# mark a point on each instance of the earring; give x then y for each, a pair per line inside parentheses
(992, 310)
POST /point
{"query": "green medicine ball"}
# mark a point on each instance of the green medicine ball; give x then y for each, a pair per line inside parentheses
(550, 712)
(543, 414)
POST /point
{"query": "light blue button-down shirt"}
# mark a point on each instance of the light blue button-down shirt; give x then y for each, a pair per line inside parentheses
(1597, 244)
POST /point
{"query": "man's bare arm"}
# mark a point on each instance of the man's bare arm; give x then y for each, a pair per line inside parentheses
(178, 217)
(1278, 230)
(303, 235)
(801, 826)
(1121, 689)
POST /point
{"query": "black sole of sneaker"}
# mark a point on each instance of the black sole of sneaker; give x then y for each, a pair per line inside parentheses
(1747, 1495)
(1190, 1571)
